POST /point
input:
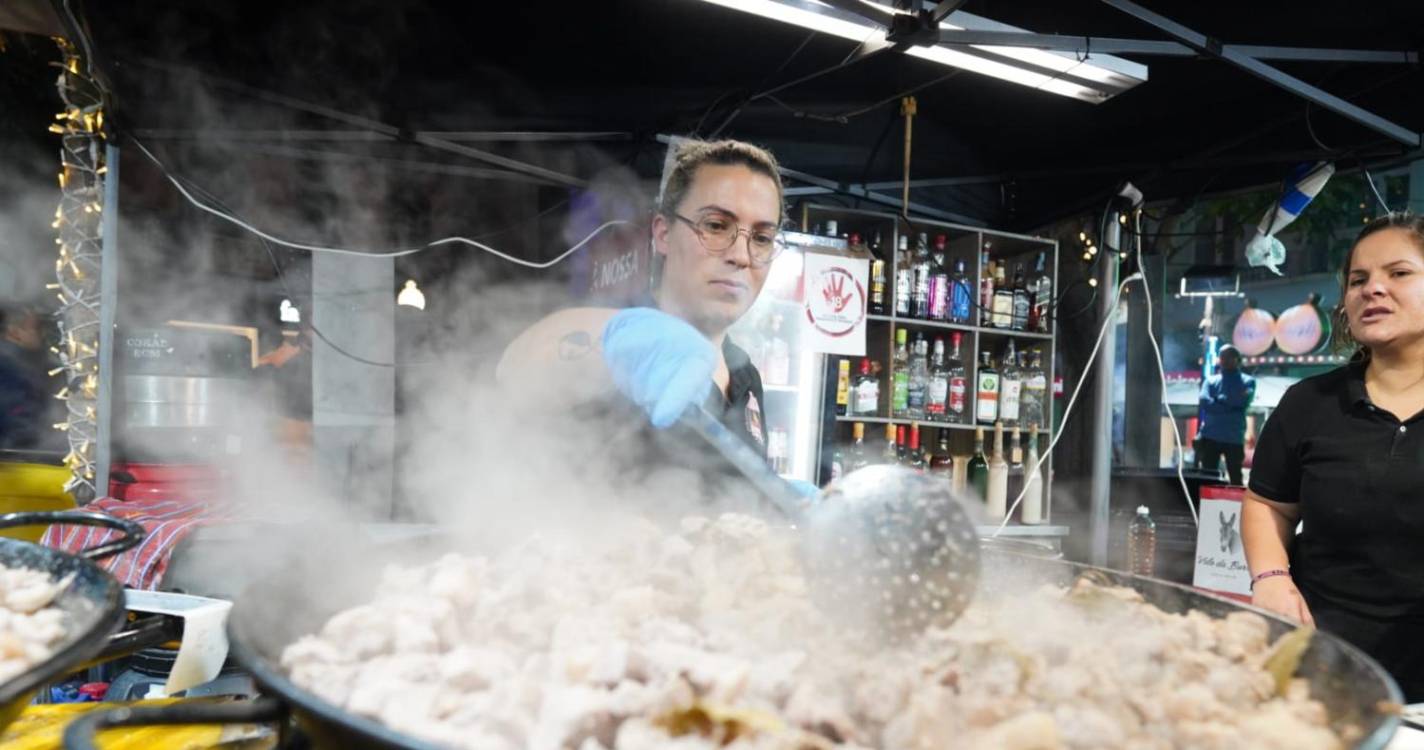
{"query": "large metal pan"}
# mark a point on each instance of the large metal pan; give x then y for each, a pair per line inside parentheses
(93, 601)
(277, 610)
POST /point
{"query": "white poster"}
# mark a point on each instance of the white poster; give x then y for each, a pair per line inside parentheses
(835, 302)
(1221, 558)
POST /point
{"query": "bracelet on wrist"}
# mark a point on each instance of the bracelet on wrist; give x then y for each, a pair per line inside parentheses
(1263, 575)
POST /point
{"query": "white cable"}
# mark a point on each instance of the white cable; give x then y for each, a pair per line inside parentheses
(1111, 319)
(357, 253)
(1370, 180)
(1162, 372)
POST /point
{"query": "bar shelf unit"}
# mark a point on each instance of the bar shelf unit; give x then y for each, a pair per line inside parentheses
(963, 243)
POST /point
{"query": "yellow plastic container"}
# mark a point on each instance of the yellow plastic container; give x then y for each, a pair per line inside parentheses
(25, 487)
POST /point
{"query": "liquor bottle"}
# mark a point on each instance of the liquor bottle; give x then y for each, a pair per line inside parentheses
(1041, 291)
(776, 450)
(904, 278)
(902, 445)
(1003, 299)
(778, 358)
(888, 454)
(958, 403)
(920, 296)
(919, 384)
(1016, 466)
(837, 464)
(915, 458)
(961, 297)
(842, 387)
(937, 394)
(877, 287)
(865, 392)
(996, 499)
(977, 473)
(939, 282)
(1031, 511)
(856, 248)
(1022, 302)
(879, 300)
(986, 289)
(1010, 387)
(831, 228)
(900, 377)
(1035, 390)
(986, 396)
(942, 465)
(859, 456)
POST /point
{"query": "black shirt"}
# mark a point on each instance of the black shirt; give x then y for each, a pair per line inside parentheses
(741, 409)
(1357, 472)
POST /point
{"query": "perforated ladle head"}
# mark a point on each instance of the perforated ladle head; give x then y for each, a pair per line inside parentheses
(891, 550)
(887, 549)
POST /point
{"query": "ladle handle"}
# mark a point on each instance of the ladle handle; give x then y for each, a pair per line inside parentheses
(746, 461)
(133, 532)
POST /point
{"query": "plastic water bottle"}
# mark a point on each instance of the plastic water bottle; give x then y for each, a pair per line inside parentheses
(1142, 543)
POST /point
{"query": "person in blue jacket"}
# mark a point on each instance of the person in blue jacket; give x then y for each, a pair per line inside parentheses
(1221, 413)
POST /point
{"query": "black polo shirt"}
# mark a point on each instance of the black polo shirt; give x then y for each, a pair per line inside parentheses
(741, 409)
(1357, 472)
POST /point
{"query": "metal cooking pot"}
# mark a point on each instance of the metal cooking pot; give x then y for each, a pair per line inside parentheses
(278, 610)
(93, 601)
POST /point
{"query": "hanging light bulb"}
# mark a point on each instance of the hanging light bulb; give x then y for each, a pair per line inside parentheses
(288, 312)
(411, 296)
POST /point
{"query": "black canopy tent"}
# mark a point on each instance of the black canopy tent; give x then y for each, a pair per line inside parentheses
(492, 77)
(549, 96)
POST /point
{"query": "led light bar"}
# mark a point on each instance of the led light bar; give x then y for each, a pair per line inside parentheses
(1096, 78)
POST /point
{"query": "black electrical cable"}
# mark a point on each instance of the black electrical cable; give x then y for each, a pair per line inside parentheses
(850, 59)
(875, 151)
(287, 289)
(787, 61)
(845, 117)
(1369, 178)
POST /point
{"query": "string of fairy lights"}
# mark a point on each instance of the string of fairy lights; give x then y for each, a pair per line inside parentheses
(77, 221)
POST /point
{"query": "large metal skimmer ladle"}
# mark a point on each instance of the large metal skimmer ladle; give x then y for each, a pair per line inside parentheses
(886, 548)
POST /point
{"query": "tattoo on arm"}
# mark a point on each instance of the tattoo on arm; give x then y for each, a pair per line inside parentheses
(575, 346)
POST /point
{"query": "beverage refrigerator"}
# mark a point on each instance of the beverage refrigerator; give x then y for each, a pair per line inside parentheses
(792, 375)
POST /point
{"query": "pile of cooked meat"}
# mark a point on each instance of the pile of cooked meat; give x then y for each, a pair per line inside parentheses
(30, 628)
(707, 638)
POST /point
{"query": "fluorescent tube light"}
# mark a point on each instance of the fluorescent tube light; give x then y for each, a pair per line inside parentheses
(1095, 78)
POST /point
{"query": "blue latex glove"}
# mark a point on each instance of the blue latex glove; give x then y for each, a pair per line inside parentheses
(811, 492)
(660, 362)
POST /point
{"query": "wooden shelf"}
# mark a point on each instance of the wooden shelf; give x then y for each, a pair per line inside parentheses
(964, 327)
(969, 244)
(923, 423)
(1012, 334)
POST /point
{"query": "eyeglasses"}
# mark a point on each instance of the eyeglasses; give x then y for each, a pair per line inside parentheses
(718, 234)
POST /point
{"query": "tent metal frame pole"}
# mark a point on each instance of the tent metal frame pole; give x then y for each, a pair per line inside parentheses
(391, 132)
(108, 304)
(1101, 455)
(1274, 76)
(855, 191)
(1083, 45)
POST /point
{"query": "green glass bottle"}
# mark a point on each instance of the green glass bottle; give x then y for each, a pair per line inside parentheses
(978, 471)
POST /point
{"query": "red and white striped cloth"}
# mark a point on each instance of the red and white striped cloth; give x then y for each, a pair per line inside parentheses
(168, 522)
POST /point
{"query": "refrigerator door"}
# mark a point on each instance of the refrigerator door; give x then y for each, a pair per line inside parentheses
(792, 376)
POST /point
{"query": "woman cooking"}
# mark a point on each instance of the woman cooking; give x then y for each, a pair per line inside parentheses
(1343, 455)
